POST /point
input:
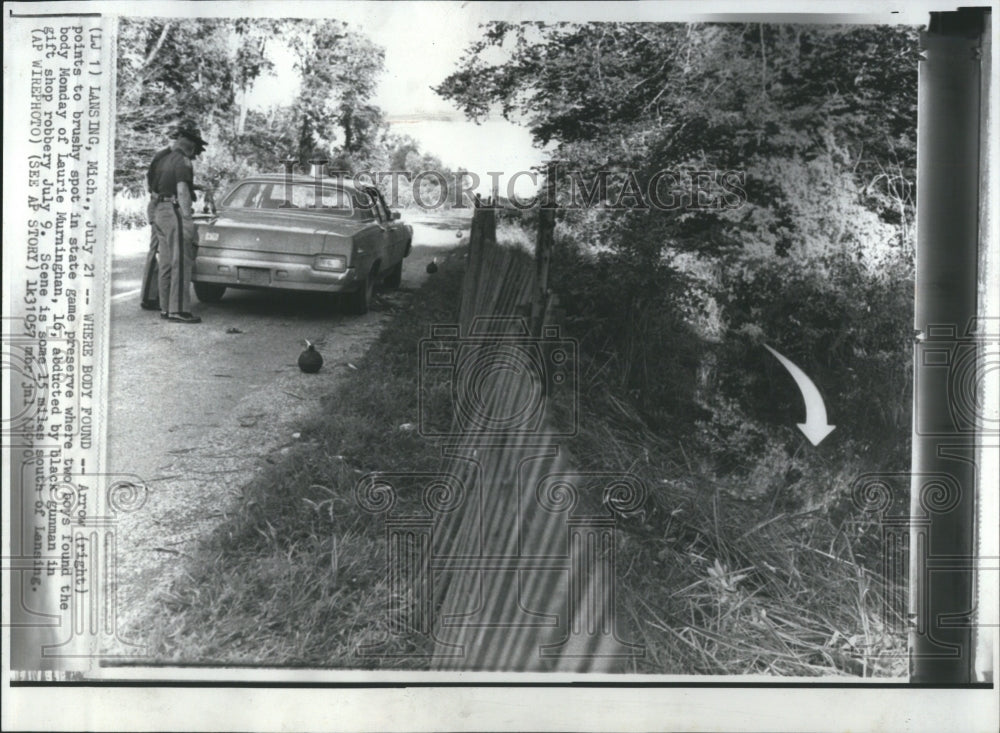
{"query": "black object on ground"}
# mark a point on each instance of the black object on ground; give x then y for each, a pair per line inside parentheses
(310, 360)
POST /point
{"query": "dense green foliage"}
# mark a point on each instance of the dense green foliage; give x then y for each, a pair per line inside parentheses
(817, 261)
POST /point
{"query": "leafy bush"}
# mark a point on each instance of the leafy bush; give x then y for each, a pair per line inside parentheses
(623, 309)
(848, 331)
(130, 210)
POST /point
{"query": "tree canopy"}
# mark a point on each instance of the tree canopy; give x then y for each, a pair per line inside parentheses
(819, 125)
(205, 69)
(645, 96)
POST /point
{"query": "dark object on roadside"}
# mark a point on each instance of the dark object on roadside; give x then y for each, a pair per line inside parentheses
(233, 329)
(150, 305)
(432, 266)
(458, 234)
(310, 360)
(183, 317)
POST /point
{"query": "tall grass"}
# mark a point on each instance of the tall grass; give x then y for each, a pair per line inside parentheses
(751, 555)
(714, 580)
(711, 580)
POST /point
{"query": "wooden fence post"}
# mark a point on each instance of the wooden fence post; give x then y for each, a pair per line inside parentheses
(482, 247)
(543, 250)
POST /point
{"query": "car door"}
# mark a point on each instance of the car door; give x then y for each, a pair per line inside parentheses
(395, 229)
(384, 236)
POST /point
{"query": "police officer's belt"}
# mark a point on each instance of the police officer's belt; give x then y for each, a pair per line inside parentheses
(159, 198)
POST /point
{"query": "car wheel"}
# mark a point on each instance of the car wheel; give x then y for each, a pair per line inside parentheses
(394, 277)
(209, 292)
(360, 300)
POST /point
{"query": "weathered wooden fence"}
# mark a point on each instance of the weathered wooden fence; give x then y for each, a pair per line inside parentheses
(525, 565)
(511, 565)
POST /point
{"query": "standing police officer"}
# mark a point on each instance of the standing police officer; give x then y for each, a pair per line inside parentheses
(172, 183)
(149, 298)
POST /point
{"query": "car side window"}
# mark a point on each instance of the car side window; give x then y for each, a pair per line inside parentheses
(374, 204)
(275, 197)
(269, 195)
(246, 196)
(363, 204)
(381, 206)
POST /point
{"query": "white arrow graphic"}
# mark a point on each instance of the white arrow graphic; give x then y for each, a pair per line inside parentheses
(815, 427)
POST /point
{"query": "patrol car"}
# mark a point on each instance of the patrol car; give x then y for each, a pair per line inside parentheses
(292, 232)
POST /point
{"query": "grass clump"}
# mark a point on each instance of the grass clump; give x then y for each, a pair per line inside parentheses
(713, 580)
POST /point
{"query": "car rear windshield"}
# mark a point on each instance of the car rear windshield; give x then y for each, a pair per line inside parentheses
(276, 195)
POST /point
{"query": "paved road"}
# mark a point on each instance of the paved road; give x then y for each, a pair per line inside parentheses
(194, 410)
(170, 382)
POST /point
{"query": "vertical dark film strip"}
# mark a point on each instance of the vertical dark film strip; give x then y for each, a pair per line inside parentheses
(947, 354)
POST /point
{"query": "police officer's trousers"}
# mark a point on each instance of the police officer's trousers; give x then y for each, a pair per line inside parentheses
(176, 258)
(150, 275)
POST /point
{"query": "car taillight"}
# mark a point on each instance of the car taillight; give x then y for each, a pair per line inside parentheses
(335, 263)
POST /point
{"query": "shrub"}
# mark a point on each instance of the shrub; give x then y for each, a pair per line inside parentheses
(843, 326)
(130, 210)
(641, 342)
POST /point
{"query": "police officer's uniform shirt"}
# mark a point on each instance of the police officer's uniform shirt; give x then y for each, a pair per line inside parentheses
(172, 169)
(151, 171)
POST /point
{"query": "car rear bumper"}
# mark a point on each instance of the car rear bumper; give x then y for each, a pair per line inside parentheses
(251, 273)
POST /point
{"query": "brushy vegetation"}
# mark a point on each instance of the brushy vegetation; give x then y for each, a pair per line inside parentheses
(815, 259)
(711, 582)
(130, 211)
(757, 570)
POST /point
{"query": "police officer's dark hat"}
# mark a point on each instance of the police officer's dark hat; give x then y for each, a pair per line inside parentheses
(187, 129)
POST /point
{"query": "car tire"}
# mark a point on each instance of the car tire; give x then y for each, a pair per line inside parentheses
(394, 277)
(359, 301)
(209, 292)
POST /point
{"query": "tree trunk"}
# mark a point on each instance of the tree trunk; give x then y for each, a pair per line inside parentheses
(347, 123)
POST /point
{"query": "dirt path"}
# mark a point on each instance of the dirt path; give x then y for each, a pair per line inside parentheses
(195, 411)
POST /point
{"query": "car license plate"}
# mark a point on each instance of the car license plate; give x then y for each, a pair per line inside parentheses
(253, 275)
